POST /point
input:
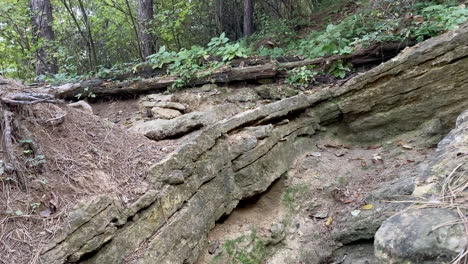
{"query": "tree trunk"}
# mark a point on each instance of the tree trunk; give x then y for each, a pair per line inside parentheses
(135, 29)
(248, 17)
(92, 47)
(42, 20)
(145, 16)
(219, 16)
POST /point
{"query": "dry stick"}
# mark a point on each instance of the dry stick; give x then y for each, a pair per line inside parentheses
(9, 150)
(447, 182)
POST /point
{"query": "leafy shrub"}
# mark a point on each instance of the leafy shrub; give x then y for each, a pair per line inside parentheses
(437, 19)
(301, 77)
(338, 69)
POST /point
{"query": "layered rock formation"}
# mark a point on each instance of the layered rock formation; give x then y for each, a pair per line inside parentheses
(432, 235)
(421, 92)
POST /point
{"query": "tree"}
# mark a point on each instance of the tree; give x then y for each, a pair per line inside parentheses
(42, 20)
(248, 18)
(145, 17)
(85, 33)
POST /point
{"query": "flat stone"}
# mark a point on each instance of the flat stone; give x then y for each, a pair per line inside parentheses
(165, 113)
(159, 97)
(82, 106)
(208, 87)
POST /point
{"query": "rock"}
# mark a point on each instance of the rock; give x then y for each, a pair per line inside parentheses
(451, 159)
(82, 106)
(241, 144)
(158, 98)
(412, 237)
(165, 113)
(275, 92)
(351, 228)
(179, 126)
(321, 214)
(278, 233)
(243, 95)
(175, 177)
(260, 132)
(170, 105)
(355, 254)
(208, 87)
(413, 92)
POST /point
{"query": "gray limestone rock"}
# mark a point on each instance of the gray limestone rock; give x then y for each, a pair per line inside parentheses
(165, 113)
(420, 236)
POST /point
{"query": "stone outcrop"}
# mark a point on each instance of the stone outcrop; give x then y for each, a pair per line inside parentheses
(451, 159)
(423, 89)
(432, 235)
(423, 236)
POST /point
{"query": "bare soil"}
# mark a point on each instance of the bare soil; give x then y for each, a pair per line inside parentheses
(84, 155)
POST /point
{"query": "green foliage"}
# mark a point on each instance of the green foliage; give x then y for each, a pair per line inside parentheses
(36, 161)
(246, 250)
(338, 69)
(437, 19)
(16, 47)
(85, 94)
(290, 194)
(302, 76)
(188, 63)
(220, 46)
(34, 206)
(184, 30)
(364, 28)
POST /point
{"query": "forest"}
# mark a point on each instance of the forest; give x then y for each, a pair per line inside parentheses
(59, 41)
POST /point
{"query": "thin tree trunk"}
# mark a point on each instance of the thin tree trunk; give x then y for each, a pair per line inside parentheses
(135, 29)
(219, 16)
(68, 7)
(93, 55)
(145, 16)
(42, 21)
(248, 17)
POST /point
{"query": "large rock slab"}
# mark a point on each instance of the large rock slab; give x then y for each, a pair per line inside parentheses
(422, 236)
(421, 91)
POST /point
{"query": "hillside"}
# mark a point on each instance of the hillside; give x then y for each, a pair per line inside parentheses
(336, 133)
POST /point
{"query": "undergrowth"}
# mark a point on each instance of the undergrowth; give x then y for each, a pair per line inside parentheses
(245, 249)
(393, 22)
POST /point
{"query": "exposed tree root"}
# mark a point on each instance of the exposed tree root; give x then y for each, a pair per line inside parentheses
(12, 167)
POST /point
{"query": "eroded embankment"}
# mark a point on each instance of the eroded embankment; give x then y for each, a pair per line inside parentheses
(421, 91)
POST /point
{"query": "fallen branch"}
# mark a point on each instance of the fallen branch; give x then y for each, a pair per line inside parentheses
(28, 98)
(269, 70)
